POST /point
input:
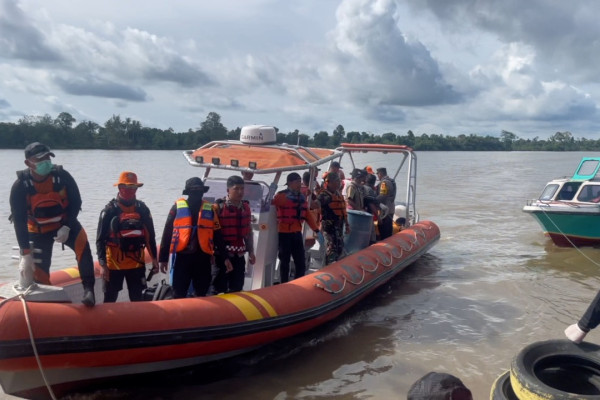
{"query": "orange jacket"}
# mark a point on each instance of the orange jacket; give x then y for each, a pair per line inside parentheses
(292, 211)
(183, 229)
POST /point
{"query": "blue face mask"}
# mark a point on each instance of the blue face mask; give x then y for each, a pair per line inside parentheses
(43, 167)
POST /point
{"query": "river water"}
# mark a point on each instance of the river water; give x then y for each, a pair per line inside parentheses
(492, 284)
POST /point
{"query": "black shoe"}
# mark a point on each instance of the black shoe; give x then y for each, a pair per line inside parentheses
(89, 299)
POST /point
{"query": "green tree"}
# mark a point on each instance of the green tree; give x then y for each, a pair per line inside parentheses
(65, 121)
(508, 138)
(212, 128)
(321, 139)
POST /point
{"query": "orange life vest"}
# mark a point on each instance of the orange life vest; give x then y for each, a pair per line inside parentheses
(126, 238)
(127, 230)
(47, 201)
(183, 229)
(337, 206)
(293, 210)
(235, 225)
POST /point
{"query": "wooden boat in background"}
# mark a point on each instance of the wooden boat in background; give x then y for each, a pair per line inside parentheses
(53, 347)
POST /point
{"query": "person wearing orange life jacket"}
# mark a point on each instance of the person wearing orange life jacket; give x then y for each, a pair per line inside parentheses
(125, 229)
(235, 217)
(292, 211)
(45, 203)
(337, 168)
(191, 235)
(334, 217)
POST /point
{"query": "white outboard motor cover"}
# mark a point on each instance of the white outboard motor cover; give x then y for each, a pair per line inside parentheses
(258, 134)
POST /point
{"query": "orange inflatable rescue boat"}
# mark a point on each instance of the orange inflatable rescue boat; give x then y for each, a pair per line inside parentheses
(49, 347)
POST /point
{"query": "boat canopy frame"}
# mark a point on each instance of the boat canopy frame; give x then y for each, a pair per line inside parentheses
(409, 157)
(300, 157)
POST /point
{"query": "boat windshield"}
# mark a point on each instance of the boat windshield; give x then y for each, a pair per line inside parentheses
(254, 192)
(549, 191)
(567, 192)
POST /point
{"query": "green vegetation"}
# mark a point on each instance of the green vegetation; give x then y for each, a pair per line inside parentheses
(118, 133)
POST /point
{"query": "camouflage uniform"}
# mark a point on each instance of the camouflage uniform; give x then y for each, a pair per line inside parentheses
(333, 209)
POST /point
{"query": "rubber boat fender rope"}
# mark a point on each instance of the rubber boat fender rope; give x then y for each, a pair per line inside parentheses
(21, 296)
(333, 291)
(569, 240)
(32, 340)
(382, 258)
(345, 279)
(405, 245)
(394, 250)
(362, 279)
(374, 269)
(378, 261)
(419, 232)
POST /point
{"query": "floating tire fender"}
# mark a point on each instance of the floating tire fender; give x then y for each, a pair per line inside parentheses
(502, 389)
(556, 370)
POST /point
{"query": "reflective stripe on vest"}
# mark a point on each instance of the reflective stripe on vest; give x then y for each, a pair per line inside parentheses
(183, 229)
(235, 226)
(47, 204)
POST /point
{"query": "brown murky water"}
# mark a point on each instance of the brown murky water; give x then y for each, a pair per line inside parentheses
(492, 285)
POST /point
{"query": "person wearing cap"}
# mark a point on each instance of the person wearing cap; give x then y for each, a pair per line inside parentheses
(438, 386)
(355, 196)
(45, 203)
(191, 235)
(235, 218)
(386, 194)
(337, 168)
(292, 211)
(334, 217)
(125, 229)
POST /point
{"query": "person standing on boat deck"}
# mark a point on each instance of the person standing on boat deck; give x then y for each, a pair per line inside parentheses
(386, 194)
(44, 204)
(125, 229)
(337, 168)
(235, 218)
(372, 205)
(355, 197)
(192, 233)
(305, 189)
(292, 211)
(334, 217)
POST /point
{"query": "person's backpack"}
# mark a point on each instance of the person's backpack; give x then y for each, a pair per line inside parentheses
(159, 291)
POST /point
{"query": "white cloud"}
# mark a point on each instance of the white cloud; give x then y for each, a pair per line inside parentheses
(466, 66)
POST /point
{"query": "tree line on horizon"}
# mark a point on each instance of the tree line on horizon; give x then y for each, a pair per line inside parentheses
(63, 132)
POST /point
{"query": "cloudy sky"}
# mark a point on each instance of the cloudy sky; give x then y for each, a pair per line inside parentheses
(430, 66)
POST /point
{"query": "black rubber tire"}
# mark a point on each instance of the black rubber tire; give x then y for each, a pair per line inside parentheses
(501, 389)
(556, 369)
